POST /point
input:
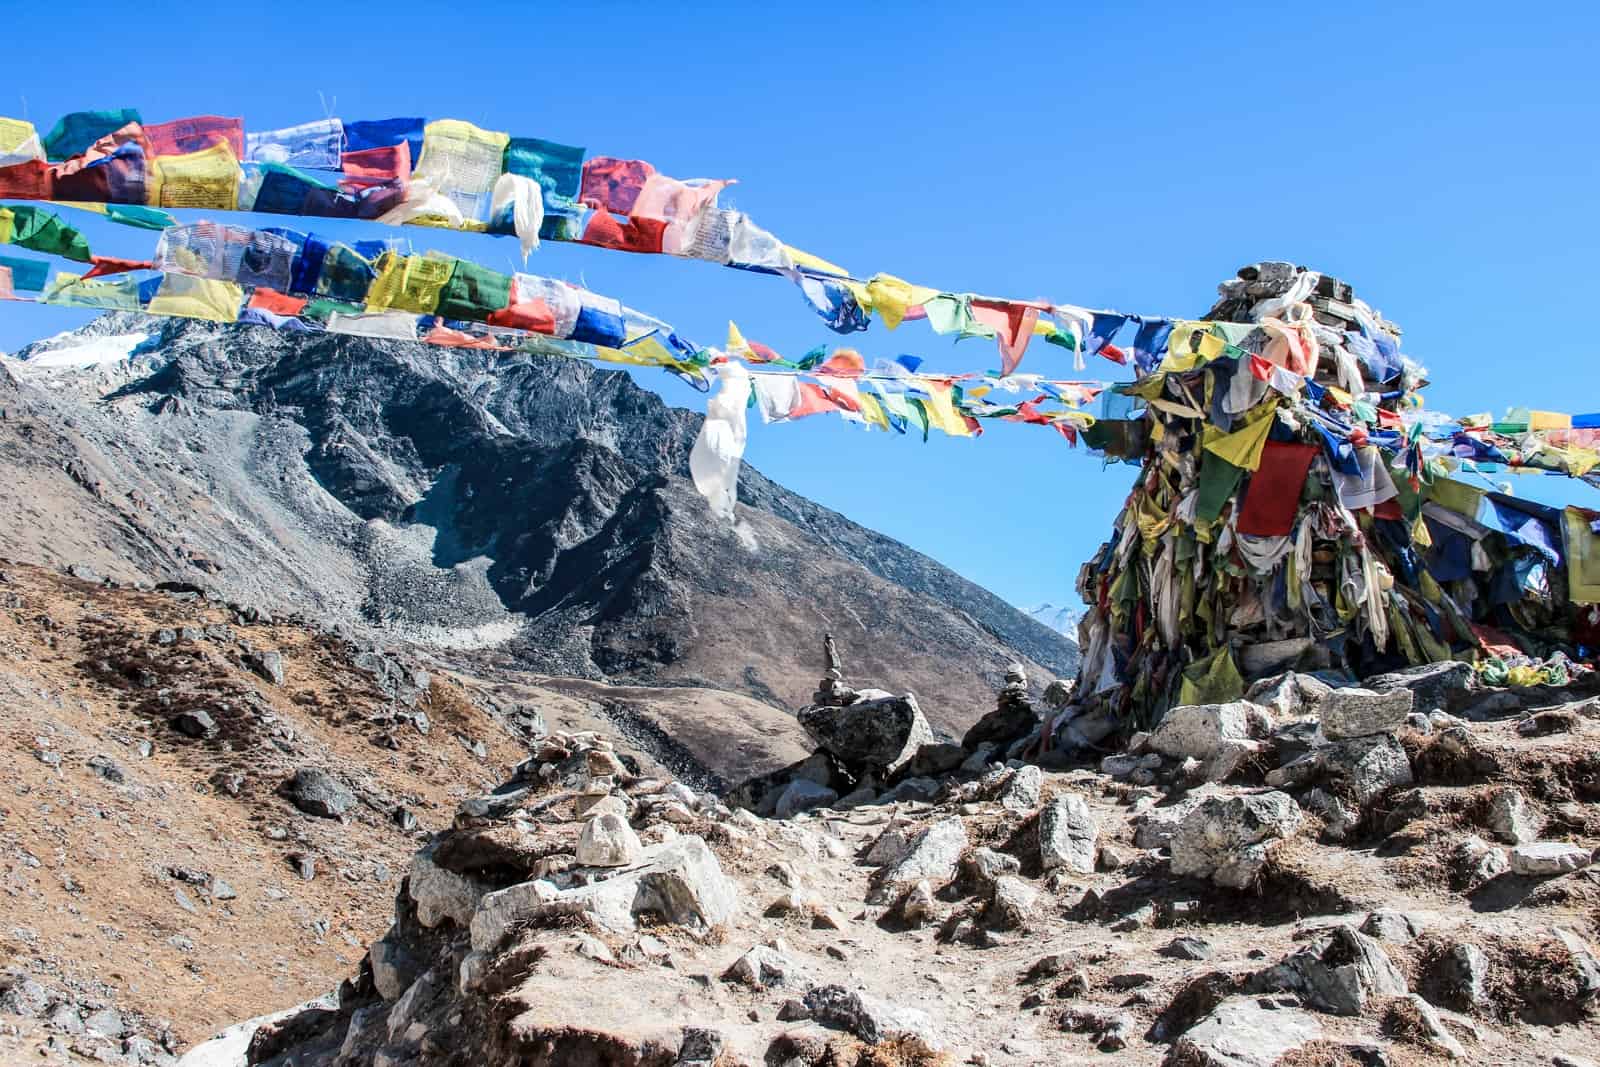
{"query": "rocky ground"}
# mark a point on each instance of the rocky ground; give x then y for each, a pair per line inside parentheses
(1318, 876)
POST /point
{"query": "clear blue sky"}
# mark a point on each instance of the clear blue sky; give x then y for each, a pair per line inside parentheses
(1440, 157)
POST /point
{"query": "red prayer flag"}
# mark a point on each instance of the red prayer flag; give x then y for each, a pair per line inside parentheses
(813, 401)
(104, 265)
(276, 303)
(1273, 497)
(844, 363)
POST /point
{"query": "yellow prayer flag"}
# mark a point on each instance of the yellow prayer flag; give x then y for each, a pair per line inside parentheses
(7, 225)
(890, 297)
(15, 138)
(1549, 420)
(208, 178)
(197, 298)
(942, 413)
(1244, 445)
(409, 283)
(872, 411)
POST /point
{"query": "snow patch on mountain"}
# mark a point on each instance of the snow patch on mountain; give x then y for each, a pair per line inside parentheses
(1062, 618)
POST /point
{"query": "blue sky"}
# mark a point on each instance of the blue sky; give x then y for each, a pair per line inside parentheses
(1440, 157)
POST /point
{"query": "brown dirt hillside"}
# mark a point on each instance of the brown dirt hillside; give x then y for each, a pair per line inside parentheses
(158, 874)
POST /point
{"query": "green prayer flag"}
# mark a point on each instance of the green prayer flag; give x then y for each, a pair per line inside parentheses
(474, 293)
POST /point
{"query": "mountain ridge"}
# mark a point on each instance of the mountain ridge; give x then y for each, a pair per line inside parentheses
(478, 494)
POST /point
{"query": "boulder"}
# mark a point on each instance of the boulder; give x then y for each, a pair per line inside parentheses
(933, 854)
(1512, 819)
(1479, 860)
(1435, 686)
(1200, 731)
(802, 795)
(918, 789)
(1461, 975)
(1022, 791)
(1367, 767)
(1012, 904)
(1545, 858)
(196, 723)
(1341, 972)
(934, 760)
(316, 792)
(678, 882)
(1423, 1025)
(1395, 927)
(1228, 839)
(1241, 1032)
(440, 894)
(880, 734)
(763, 967)
(760, 794)
(1002, 726)
(266, 665)
(1355, 712)
(870, 1019)
(1068, 834)
(608, 841)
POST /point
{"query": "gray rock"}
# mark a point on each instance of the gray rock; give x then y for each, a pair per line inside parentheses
(65, 1019)
(1154, 829)
(196, 723)
(107, 768)
(1338, 818)
(914, 789)
(1012, 904)
(763, 967)
(870, 1019)
(1341, 972)
(608, 841)
(984, 866)
(1186, 948)
(266, 665)
(881, 734)
(933, 854)
(1228, 839)
(933, 760)
(1279, 694)
(1512, 819)
(678, 882)
(1463, 973)
(1240, 1032)
(1364, 768)
(1068, 835)
(1011, 721)
(495, 805)
(1584, 970)
(1436, 686)
(21, 995)
(1022, 792)
(1357, 712)
(1433, 1033)
(106, 1022)
(1202, 731)
(1545, 858)
(394, 966)
(802, 795)
(1481, 860)
(887, 848)
(316, 792)
(1395, 927)
(440, 894)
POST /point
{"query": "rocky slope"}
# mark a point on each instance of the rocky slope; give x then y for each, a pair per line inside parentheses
(160, 873)
(461, 499)
(1222, 914)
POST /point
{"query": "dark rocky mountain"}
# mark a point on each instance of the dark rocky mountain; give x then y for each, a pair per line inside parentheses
(533, 511)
